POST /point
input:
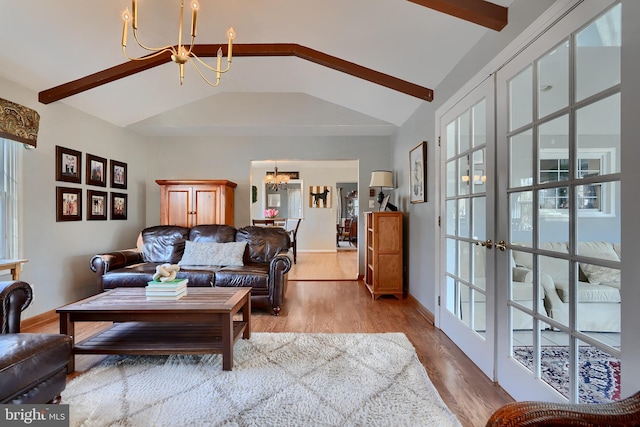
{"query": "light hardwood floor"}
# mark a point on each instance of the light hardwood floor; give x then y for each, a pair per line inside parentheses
(339, 265)
(347, 307)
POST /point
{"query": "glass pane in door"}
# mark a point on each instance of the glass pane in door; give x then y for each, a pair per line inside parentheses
(452, 145)
(480, 218)
(451, 178)
(521, 99)
(598, 54)
(521, 158)
(479, 172)
(598, 138)
(521, 218)
(451, 215)
(553, 78)
(464, 132)
(464, 182)
(463, 218)
(479, 112)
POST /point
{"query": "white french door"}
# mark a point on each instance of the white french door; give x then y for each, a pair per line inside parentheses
(467, 293)
(530, 213)
(559, 210)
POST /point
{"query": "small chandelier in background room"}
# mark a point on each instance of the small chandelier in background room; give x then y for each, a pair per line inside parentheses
(180, 54)
(275, 181)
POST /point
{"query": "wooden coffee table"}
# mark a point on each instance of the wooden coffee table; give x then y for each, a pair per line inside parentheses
(200, 322)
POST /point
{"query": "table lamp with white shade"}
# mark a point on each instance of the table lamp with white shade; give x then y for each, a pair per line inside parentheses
(383, 180)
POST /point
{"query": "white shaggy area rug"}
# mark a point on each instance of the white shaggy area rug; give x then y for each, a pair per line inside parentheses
(278, 379)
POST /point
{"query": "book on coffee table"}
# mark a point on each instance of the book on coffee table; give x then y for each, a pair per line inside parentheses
(169, 284)
(166, 296)
(171, 289)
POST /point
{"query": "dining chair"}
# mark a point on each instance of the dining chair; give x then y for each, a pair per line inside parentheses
(348, 232)
(353, 232)
(293, 235)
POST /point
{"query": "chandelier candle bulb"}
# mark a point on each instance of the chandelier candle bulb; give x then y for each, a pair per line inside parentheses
(125, 28)
(194, 17)
(231, 34)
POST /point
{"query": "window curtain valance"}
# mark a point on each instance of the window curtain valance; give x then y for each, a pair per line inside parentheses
(18, 122)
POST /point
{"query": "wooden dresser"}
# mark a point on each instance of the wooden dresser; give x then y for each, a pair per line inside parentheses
(383, 255)
(193, 202)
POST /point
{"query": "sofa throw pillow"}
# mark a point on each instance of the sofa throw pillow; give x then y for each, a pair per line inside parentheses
(597, 274)
(213, 253)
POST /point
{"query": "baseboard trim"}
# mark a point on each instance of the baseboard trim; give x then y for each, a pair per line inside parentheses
(46, 317)
(421, 309)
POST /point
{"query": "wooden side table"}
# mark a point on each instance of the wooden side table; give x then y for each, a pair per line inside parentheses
(15, 265)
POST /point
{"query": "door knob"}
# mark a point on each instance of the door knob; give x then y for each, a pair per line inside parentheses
(488, 244)
(502, 245)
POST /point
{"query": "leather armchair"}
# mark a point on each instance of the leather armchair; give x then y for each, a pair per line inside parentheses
(33, 367)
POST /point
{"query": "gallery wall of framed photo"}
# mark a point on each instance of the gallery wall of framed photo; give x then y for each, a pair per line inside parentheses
(101, 203)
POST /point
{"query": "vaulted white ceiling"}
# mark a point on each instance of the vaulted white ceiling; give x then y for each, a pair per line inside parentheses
(51, 43)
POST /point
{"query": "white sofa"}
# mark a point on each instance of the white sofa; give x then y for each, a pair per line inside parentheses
(598, 287)
(522, 293)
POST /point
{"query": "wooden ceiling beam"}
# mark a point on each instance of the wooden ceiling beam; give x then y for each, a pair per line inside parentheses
(489, 15)
(239, 50)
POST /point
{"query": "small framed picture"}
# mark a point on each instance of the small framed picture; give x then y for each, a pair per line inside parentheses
(96, 205)
(384, 204)
(68, 165)
(96, 170)
(273, 201)
(418, 173)
(68, 204)
(118, 174)
(118, 206)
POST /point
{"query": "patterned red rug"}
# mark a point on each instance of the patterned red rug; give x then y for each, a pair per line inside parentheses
(599, 371)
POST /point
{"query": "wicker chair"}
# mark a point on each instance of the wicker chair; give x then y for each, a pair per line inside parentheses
(625, 412)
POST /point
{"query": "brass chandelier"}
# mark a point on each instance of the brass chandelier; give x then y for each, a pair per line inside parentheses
(273, 181)
(180, 54)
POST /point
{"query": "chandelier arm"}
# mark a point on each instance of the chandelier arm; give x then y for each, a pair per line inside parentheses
(215, 70)
(152, 49)
(143, 58)
(203, 77)
(189, 52)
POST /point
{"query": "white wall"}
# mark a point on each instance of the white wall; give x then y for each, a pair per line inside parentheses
(230, 158)
(421, 220)
(59, 252)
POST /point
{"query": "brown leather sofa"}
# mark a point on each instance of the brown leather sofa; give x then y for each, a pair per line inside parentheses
(266, 261)
(33, 367)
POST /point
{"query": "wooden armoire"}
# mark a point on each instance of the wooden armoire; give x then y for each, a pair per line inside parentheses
(198, 201)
